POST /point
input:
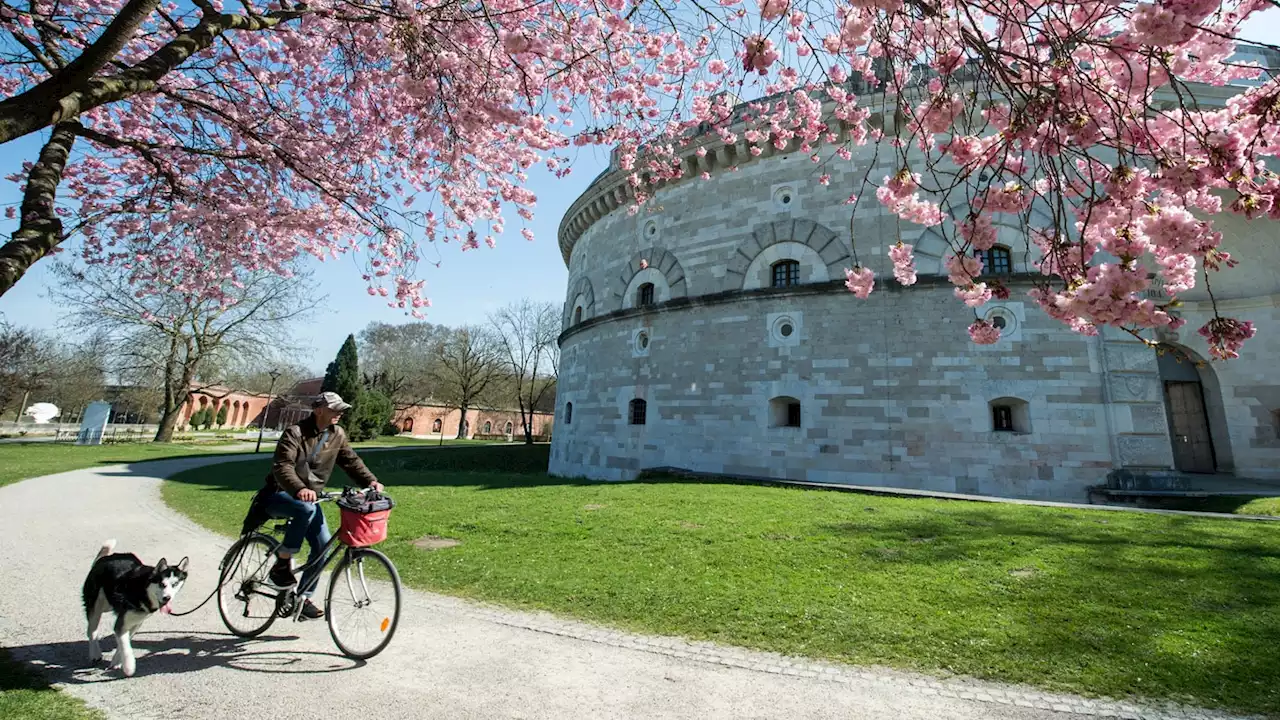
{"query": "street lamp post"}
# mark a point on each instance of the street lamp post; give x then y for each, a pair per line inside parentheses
(274, 374)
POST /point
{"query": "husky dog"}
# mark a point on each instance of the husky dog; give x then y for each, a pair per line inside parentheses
(133, 591)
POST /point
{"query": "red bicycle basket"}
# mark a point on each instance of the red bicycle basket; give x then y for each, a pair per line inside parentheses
(363, 529)
(364, 519)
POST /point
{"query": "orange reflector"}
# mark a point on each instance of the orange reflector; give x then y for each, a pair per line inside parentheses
(386, 623)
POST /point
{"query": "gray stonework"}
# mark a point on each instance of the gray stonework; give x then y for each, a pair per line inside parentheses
(892, 391)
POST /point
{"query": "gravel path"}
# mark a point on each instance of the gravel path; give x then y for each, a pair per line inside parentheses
(449, 659)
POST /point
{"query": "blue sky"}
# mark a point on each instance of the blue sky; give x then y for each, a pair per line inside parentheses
(463, 289)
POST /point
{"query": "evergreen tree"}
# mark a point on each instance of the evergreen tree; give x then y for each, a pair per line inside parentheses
(370, 417)
(343, 374)
(222, 416)
(370, 410)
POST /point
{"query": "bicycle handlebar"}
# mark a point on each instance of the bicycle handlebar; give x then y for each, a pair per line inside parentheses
(331, 496)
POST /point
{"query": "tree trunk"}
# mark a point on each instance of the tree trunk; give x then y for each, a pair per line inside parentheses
(526, 421)
(164, 433)
(462, 422)
(173, 401)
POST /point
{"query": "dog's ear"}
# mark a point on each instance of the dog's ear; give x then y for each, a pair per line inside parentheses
(161, 566)
(182, 565)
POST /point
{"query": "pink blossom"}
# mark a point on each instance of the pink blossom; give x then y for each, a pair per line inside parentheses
(859, 281)
(974, 295)
(772, 9)
(963, 269)
(759, 54)
(1226, 336)
(979, 232)
(984, 333)
(904, 263)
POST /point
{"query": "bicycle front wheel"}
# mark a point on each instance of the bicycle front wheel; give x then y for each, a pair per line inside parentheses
(245, 601)
(363, 603)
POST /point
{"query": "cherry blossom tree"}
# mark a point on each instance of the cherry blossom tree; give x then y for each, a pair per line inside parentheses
(184, 140)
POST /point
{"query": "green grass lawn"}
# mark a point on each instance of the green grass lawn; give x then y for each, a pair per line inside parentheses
(1243, 505)
(1100, 603)
(409, 441)
(19, 461)
(25, 696)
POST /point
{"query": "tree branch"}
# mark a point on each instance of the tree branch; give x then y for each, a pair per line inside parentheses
(40, 230)
(25, 114)
(72, 77)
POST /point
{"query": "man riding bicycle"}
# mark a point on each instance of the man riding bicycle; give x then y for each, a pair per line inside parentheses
(304, 459)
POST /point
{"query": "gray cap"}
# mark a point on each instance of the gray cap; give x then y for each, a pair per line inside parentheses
(331, 400)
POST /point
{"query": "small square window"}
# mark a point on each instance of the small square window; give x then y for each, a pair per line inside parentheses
(793, 414)
(1002, 418)
(644, 296)
(786, 273)
(996, 261)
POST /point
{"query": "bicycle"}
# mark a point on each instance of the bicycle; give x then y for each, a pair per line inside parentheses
(256, 551)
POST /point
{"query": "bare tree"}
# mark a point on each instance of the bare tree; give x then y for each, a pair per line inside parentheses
(468, 363)
(25, 366)
(184, 341)
(526, 333)
(80, 377)
(401, 360)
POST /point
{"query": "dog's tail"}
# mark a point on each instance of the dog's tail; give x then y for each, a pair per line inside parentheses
(108, 547)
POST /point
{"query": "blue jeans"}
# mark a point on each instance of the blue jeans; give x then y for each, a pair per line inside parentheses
(306, 521)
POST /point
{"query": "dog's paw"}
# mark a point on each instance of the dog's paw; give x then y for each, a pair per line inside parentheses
(128, 668)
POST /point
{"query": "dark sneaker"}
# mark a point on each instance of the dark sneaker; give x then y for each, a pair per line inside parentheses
(310, 611)
(281, 575)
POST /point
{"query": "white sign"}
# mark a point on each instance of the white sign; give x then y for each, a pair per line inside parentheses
(94, 423)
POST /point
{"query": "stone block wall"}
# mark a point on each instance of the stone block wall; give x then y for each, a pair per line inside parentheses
(888, 396)
(891, 389)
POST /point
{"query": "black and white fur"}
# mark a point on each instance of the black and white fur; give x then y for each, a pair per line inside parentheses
(133, 591)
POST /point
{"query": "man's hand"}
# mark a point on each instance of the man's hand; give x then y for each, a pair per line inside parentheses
(307, 495)
(375, 486)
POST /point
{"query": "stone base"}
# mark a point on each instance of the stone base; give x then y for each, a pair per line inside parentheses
(1129, 479)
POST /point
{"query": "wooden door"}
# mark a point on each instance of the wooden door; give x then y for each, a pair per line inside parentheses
(1189, 426)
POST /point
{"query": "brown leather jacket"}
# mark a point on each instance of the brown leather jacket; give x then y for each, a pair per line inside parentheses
(293, 469)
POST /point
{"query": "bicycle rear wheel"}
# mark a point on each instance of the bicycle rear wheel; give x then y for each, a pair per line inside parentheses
(363, 603)
(246, 602)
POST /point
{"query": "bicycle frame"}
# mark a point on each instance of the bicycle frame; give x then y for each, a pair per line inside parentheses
(310, 572)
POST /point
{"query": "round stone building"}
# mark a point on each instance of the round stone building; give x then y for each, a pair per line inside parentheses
(711, 332)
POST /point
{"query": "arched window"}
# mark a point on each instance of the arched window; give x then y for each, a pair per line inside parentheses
(488, 427)
(786, 273)
(638, 409)
(644, 295)
(509, 427)
(997, 261)
(577, 315)
(568, 413)
(408, 425)
(784, 411)
(435, 425)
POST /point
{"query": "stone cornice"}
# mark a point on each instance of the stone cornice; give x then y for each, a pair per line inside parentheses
(611, 190)
(830, 287)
